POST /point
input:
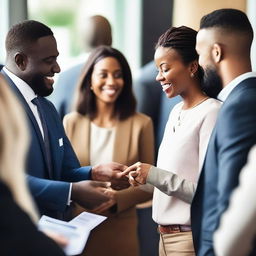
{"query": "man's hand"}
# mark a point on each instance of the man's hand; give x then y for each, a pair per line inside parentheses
(90, 194)
(138, 173)
(111, 172)
(106, 206)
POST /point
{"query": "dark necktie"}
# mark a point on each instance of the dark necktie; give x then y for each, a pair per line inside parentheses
(36, 101)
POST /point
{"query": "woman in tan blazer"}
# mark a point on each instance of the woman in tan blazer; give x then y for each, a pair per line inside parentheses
(105, 127)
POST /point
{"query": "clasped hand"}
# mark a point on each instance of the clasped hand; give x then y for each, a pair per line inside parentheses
(137, 173)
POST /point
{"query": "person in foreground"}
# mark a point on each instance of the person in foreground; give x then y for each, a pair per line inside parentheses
(18, 216)
(239, 240)
(185, 140)
(105, 112)
(54, 173)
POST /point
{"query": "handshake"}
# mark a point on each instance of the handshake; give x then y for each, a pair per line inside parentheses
(99, 194)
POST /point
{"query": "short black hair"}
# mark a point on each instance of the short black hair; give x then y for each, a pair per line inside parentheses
(232, 20)
(86, 101)
(24, 33)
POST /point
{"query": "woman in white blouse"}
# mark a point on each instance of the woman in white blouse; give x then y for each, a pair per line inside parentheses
(185, 140)
(103, 128)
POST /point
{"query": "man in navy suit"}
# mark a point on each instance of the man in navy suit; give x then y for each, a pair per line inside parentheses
(54, 173)
(223, 44)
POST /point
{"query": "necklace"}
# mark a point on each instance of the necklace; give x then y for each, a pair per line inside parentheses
(180, 117)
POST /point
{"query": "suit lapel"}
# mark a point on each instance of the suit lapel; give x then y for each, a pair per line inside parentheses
(28, 112)
(122, 141)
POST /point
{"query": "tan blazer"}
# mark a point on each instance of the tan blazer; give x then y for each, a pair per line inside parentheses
(134, 142)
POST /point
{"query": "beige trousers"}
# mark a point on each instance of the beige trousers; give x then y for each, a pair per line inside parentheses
(178, 244)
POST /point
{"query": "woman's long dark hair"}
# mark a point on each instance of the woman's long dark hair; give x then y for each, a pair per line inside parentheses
(183, 40)
(86, 100)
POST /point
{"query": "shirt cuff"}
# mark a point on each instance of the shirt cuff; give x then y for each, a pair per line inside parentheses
(152, 175)
(69, 195)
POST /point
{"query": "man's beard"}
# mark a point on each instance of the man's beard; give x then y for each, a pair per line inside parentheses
(39, 86)
(212, 84)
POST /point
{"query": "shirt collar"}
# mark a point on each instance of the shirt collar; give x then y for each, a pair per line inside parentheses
(23, 87)
(224, 93)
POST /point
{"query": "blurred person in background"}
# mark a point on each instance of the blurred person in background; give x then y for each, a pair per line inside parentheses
(182, 151)
(105, 112)
(18, 216)
(97, 32)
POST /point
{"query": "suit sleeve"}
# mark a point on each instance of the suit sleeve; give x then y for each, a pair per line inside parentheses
(130, 197)
(241, 204)
(49, 194)
(71, 169)
(236, 135)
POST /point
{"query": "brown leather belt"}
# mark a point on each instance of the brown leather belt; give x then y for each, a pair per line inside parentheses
(171, 229)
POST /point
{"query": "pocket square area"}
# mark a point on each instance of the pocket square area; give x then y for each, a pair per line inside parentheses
(61, 142)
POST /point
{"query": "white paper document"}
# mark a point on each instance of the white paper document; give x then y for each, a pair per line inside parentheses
(76, 231)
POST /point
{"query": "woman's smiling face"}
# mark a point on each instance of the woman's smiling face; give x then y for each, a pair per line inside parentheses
(107, 80)
(173, 75)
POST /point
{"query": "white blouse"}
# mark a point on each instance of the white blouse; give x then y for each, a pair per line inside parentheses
(182, 152)
(101, 144)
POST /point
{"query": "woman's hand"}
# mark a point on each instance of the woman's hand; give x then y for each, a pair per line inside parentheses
(137, 173)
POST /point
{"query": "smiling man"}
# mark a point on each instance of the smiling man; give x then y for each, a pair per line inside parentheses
(54, 173)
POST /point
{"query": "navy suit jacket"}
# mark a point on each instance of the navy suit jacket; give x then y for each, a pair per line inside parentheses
(50, 190)
(231, 140)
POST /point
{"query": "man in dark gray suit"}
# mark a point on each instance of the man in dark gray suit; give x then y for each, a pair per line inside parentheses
(223, 44)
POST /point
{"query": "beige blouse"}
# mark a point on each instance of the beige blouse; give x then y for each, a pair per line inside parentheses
(101, 144)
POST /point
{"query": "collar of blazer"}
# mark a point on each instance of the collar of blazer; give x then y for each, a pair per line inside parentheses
(121, 143)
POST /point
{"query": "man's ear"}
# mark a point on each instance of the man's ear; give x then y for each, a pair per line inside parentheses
(21, 60)
(217, 53)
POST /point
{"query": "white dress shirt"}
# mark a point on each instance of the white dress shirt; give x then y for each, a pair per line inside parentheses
(29, 95)
(224, 93)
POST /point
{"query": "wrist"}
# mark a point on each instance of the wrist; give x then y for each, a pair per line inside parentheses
(94, 172)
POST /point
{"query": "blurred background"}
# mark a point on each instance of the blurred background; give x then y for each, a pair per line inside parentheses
(136, 24)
